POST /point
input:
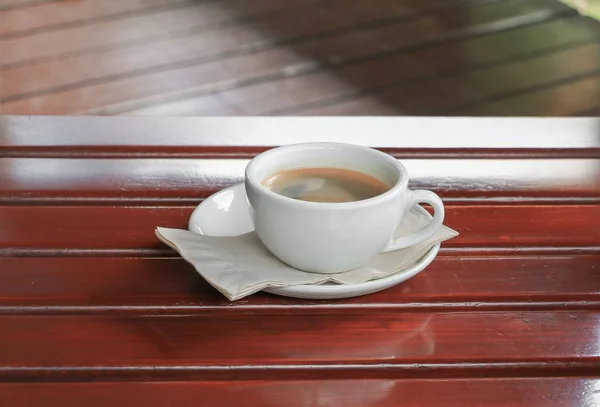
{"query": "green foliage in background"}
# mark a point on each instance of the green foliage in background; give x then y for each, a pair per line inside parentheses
(589, 8)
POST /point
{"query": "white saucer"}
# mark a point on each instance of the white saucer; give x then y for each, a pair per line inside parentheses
(226, 214)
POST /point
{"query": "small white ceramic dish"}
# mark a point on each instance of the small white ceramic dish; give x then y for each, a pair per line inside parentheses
(226, 214)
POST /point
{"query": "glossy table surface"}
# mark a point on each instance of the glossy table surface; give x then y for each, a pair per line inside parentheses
(95, 311)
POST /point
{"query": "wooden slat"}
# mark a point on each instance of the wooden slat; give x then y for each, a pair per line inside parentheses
(354, 76)
(570, 98)
(44, 45)
(235, 137)
(162, 25)
(344, 58)
(173, 181)
(577, 60)
(397, 99)
(63, 228)
(194, 47)
(171, 286)
(593, 112)
(535, 392)
(536, 73)
(472, 89)
(168, 24)
(16, 4)
(149, 88)
(511, 44)
(447, 27)
(276, 96)
(186, 81)
(47, 16)
(199, 46)
(299, 343)
(380, 75)
(468, 73)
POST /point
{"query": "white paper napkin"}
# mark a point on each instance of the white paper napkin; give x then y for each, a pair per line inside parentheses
(238, 266)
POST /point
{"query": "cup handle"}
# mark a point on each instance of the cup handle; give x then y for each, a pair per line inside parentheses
(415, 197)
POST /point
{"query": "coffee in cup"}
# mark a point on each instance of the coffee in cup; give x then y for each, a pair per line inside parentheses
(325, 184)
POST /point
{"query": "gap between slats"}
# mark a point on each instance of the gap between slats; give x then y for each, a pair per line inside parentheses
(168, 253)
(102, 201)
(565, 368)
(204, 152)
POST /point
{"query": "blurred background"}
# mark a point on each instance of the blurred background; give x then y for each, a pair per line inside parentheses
(298, 57)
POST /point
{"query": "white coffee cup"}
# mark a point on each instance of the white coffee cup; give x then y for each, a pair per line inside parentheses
(334, 237)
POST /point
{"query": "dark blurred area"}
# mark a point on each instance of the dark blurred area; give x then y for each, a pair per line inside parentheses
(298, 57)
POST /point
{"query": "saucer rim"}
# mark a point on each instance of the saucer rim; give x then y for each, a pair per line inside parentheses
(334, 291)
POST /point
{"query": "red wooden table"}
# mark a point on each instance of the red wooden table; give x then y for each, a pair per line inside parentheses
(95, 311)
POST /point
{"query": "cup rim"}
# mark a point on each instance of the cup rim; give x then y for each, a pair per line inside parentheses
(401, 182)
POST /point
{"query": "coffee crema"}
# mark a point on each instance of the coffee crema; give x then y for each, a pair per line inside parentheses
(326, 184)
